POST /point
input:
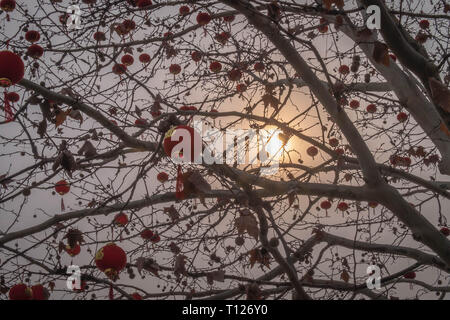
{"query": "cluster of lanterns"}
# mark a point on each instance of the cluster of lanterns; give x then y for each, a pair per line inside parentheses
(22, 292)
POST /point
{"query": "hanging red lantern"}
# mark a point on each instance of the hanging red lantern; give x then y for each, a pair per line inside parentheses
(169, 144)
(99, 36)
(32, 36)
(12, 68)
(325, 205)
(241, 87)
(402, 117)
(203, 18)
(119, 69)
(215, 66)
(40, 292)
(143, 3)
(12, 97)
(127, 60)
(162, 177)
(121, 219)
(8, 5)
(175, 69)
(445, 231)
(424, 24)
(62, 187)
(144, 58)
(372, 204)
(259, 67)
(147, 234)
(222, 37)
(20, 292)
(344, 69)
(73, 251)
(35, 51)
(342, 206)
(333, 142)
(129, 25)
(354, 104)
(184, 10)
(312, 151)
(371, 108)
(235, 75)
(196, 56)
(111, 259)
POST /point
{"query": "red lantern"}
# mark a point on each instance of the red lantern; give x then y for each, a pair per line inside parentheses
(325, 205)
(169, 144)
(40, 292)
(241, 87)
(20, 292)
(162, 177)
(354, 104)
(312, 151)
(73, 251)
(119, 69)
(62, 187)
(371, 108)
(111, 259)
(35, 51)
(342, 206)
(344, 69)
(147, 234)
(129, 25)
(32, 36)
(259, 67)
(12, 68)
(203, 18)
(445, 231)
(215, 66)
(175, 69)
(184, 10)
(144, 3)
(196, 56)
(144, 58)
(235, 75)
(372, 204)
(12, 97)
(402, 117)
(8, 5)
(121, 219)
(222, 37)
(424, 24)
(127, 60)
(99, 36)
(334, 142)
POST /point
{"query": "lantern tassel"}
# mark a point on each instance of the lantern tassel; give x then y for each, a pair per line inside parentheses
(9, 115)
(111, 292)
(179, 186)
(63, 207)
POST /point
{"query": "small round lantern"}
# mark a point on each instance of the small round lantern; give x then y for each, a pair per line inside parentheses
(111, 259)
